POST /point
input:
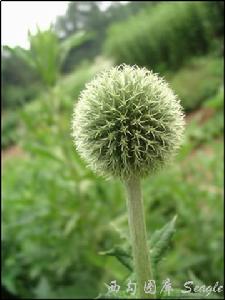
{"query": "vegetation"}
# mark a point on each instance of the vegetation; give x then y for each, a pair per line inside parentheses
(198, 80)
(165, 36)
(65, 229)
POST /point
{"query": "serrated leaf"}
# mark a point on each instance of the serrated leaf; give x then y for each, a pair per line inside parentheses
(123, 255)
(160, 241)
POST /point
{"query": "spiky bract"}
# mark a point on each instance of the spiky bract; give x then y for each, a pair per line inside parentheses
(127, 122)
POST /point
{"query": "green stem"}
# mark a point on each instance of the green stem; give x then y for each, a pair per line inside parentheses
(138, 235)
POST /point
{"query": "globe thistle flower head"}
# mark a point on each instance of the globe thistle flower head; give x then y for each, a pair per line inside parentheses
(127, 122)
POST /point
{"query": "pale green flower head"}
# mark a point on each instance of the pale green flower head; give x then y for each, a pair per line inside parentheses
(127, 122)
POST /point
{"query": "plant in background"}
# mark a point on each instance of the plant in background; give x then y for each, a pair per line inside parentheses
(151, 37)
(47, 54)
(128, 123)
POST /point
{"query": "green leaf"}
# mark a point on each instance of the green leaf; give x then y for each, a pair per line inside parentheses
(45, 53)
(123, 255)
(120, 224)
(160, 241)
(22, 54)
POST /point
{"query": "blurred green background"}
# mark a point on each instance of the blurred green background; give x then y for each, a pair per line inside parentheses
(57, 215)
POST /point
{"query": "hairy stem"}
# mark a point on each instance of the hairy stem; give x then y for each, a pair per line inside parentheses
(137, 227)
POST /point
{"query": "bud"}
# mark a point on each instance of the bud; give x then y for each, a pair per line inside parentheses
(127, 122)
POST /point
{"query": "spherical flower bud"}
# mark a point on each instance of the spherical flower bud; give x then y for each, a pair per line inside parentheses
(127, 122)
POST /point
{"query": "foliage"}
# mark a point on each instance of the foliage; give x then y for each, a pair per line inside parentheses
(62, 224)
(15, 96)
(53, 207)
(79, 16)
(89, 16)
(198, 81)
(164, 37)
(40, 144)
(52, 210)
(39, 110)
(66, 211)
(216, 102)
(10, 122)
(46, 54)
(19, 82)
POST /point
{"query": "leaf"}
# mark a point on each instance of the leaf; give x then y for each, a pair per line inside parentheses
(123, 256)
(45, 53)
(22, 54)
(160, 241)
(120, 224)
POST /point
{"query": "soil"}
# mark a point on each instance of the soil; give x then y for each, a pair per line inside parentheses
(201, 115)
